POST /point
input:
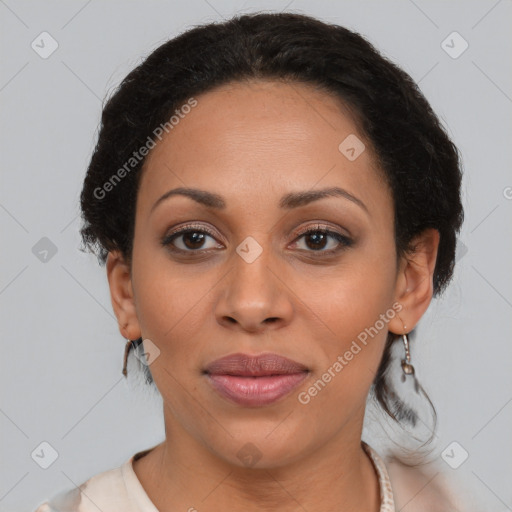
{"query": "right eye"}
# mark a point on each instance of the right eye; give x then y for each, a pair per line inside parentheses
(191, 238)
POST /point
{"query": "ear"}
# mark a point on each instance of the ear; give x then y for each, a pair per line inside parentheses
(415, 285)
(121, 295)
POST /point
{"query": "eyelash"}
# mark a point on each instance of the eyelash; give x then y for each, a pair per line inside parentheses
(342, 239)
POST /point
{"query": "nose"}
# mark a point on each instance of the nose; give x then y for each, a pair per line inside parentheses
(254, 296)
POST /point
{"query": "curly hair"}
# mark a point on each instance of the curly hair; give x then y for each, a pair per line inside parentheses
(413, 151)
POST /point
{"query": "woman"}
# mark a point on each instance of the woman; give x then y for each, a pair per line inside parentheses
(276, 205)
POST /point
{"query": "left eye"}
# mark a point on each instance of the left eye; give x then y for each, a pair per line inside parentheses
(317, 239)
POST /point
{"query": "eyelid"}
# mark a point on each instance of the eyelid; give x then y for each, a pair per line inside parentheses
(201, 227)
(319, 226)
(198, 227)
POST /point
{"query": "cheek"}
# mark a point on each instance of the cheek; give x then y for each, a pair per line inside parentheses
(351, 296)
(168, 301)
(355, 305)
(349, 359)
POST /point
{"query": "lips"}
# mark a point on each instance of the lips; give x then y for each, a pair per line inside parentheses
(255, 380)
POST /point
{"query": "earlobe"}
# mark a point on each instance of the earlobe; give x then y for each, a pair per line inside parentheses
(121, 295)
(414, 284)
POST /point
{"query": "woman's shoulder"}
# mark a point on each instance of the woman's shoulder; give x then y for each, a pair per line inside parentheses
(428, 488)
(103, 491)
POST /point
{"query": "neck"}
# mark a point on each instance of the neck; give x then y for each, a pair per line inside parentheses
(180, 474)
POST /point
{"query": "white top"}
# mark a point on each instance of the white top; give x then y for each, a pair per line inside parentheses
(119, 490)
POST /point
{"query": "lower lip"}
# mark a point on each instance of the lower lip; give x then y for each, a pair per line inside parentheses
(256, 391)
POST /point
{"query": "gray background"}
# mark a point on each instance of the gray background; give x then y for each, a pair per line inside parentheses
(62, 353)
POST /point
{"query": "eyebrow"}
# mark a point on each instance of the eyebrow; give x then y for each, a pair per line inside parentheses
(287, 202)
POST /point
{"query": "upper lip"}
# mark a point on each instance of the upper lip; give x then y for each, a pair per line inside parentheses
(254, 366)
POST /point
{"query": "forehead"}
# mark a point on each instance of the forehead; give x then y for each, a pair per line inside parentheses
(247, 139)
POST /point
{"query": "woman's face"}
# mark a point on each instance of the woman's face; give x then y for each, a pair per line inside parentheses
(246, 280)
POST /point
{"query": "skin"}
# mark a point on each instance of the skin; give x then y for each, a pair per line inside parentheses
(252, 143)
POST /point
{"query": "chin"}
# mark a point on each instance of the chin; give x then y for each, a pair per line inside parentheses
(255, 448)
